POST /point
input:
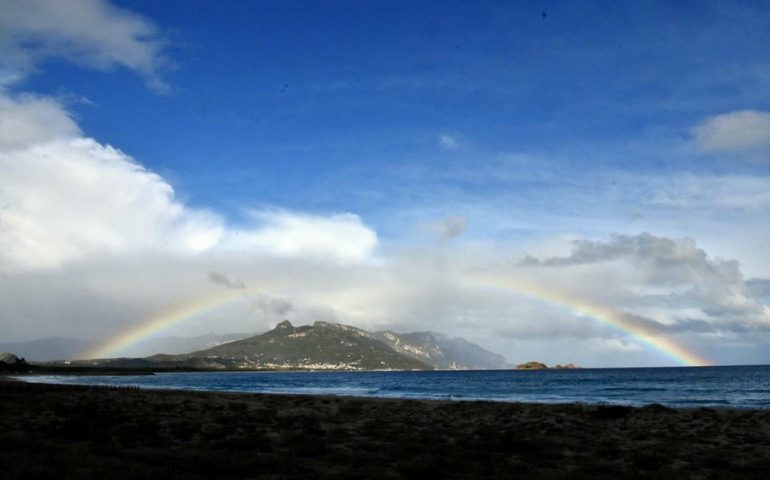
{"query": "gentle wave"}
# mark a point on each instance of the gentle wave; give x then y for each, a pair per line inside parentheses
(742, 387)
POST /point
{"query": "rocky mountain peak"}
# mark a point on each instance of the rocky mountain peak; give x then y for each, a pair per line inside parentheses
(284, 325)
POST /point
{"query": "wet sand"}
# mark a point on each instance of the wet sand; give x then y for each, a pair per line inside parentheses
(61, 432)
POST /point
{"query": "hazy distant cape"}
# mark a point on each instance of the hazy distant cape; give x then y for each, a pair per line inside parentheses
(68, 348)
(331, 346)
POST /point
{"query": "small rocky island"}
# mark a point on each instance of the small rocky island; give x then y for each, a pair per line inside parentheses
(543, 366)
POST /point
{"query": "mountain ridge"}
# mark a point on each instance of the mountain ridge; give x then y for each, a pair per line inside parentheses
(321, 346)
(326, 346)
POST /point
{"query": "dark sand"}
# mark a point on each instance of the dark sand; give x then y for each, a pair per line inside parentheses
(50, 431)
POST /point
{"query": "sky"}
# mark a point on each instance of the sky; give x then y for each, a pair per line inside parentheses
(584, 182)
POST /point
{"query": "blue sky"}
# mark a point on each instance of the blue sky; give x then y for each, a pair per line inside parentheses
(473, 134)
(279, 104)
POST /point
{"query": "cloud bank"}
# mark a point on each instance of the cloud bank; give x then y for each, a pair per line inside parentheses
(65, 197)
(672, 280)
(338, 237)
(92, 242)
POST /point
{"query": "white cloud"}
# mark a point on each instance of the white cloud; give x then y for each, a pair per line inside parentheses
(91, 241)
(340, 237)
(670, 285)
(31, 120)
(92, 32)
(449, 142)
(66, 197)
(736, 131)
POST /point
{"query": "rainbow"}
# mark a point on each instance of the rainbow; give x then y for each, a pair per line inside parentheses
(582, 307)
(182, 312)
(160, 321)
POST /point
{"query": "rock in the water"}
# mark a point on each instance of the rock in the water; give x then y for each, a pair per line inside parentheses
(532, 366)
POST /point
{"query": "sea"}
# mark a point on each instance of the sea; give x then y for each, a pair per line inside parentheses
(726, 386)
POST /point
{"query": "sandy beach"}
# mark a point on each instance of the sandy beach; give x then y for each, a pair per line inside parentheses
(57, 431)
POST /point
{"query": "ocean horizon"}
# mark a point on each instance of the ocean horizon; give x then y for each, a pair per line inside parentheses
(745, 386)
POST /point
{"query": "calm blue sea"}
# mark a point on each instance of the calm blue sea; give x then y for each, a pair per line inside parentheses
(738, 386)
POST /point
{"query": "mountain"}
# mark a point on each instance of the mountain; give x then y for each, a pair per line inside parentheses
(67, 348)
(442, 352)
(321, 346)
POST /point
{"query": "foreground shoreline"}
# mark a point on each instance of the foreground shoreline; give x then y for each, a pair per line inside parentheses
(73, 431)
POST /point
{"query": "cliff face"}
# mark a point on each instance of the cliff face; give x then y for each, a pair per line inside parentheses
(442, 352)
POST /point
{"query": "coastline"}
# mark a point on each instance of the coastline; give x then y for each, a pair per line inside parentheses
(71, 431)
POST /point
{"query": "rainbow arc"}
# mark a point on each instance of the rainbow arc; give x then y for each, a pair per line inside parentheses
(580, 307)
(585, 308)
